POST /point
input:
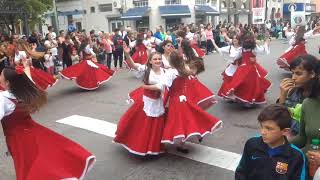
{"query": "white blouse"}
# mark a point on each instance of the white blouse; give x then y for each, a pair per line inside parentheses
(7, 105)
(153, 107)
(165, 62)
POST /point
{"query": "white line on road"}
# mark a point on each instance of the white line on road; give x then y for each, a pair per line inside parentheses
(212, 156)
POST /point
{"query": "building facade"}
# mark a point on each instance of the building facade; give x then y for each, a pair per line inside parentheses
(107, 15)
(308, 7)
(274, 10)
(235, 11)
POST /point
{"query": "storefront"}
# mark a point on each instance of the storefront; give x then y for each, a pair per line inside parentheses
(203, 13)
(140, 17)
(173, 14)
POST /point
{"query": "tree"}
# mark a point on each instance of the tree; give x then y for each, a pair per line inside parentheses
(29, 10)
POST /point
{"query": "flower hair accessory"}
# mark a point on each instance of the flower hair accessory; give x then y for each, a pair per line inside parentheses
(19, 70)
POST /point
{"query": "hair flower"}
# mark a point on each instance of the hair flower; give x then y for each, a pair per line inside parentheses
(19, 69)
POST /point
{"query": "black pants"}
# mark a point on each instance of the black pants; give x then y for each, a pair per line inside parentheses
(209, 46)
(118, 56)
(109, 57)
(67, 62)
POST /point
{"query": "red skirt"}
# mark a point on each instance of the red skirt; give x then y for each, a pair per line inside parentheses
(200, 94)
(138, 133)
(288, 57)
(87, 77)
(42, 79)
(246, 85)
(39, 153)
(185, 120)
(199, 51)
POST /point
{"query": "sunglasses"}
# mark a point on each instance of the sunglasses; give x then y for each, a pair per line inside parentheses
(168, 45)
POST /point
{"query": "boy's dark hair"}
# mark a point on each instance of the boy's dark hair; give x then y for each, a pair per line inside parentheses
(277, 113)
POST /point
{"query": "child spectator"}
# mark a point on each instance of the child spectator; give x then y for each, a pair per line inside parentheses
(74, 56)
(48, 62)
(271, 156)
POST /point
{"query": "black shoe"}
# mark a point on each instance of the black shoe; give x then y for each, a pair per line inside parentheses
(183, 150)
(200, 139)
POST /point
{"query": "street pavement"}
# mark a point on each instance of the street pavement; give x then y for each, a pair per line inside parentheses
(107, 103)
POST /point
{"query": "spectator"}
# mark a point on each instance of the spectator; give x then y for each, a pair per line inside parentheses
(71, 27)
(271, 156)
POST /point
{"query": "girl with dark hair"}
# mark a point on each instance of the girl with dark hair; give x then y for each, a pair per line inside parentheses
(185, 119)
(297, 46)
(141, 54)
(248, 84)
(140, 128)
(88, 74)
(41, 78)
(37, 152)
(232, 54)
(309, 116)
(166, 49)
(302, 84)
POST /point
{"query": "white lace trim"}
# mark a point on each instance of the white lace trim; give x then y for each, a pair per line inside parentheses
(153, 107)
(90, 63)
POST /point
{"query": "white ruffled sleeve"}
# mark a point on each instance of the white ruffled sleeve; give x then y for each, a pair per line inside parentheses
(139, 72)
(6, 105)
(262, 50)
(169, 76)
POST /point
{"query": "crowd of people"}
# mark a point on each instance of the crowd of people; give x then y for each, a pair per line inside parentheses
(170, 106)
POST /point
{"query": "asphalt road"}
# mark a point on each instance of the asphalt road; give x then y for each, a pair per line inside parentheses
(108, 103)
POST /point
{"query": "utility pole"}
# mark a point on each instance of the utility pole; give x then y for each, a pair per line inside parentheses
(228, 10)
(55, 16)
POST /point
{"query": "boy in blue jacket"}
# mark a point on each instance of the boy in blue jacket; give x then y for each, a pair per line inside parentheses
(271, 156)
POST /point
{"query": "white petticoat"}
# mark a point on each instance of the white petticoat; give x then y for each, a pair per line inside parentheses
(153, 107)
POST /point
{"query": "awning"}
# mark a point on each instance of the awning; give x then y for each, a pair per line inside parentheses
(135, 13)
(204, 9)
(174, 11)
(69, 13)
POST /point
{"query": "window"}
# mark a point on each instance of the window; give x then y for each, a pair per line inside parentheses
(243, 6)
(140, 3)
(234, 5)
(213, 2)
(105, 7)
(92, 9)
(169, 2)
(201, 2)
(223, 4)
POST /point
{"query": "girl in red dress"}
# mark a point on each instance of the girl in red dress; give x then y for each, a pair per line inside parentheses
(88, 74)
(185, 119)
(140, 128)
(141, 54)
(297, 47)
(38, 153)
(203, 96)
(248, 84)
(42, 79)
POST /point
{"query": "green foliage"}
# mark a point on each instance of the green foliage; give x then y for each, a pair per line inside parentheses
(33, 8)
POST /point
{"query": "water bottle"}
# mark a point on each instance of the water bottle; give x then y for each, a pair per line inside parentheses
(315, 146)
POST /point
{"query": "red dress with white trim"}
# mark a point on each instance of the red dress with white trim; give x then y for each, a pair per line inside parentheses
(201, 94)
(39, 153)
(42, 79)
(184, 117)
(88, 75)
(199, 52)
(140, 128)
(141, 55)
(298, 49)
(248, 84)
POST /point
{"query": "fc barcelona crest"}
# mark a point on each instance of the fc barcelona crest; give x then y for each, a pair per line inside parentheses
(281, 168)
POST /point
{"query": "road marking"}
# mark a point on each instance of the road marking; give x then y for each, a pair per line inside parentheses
(208, 155)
